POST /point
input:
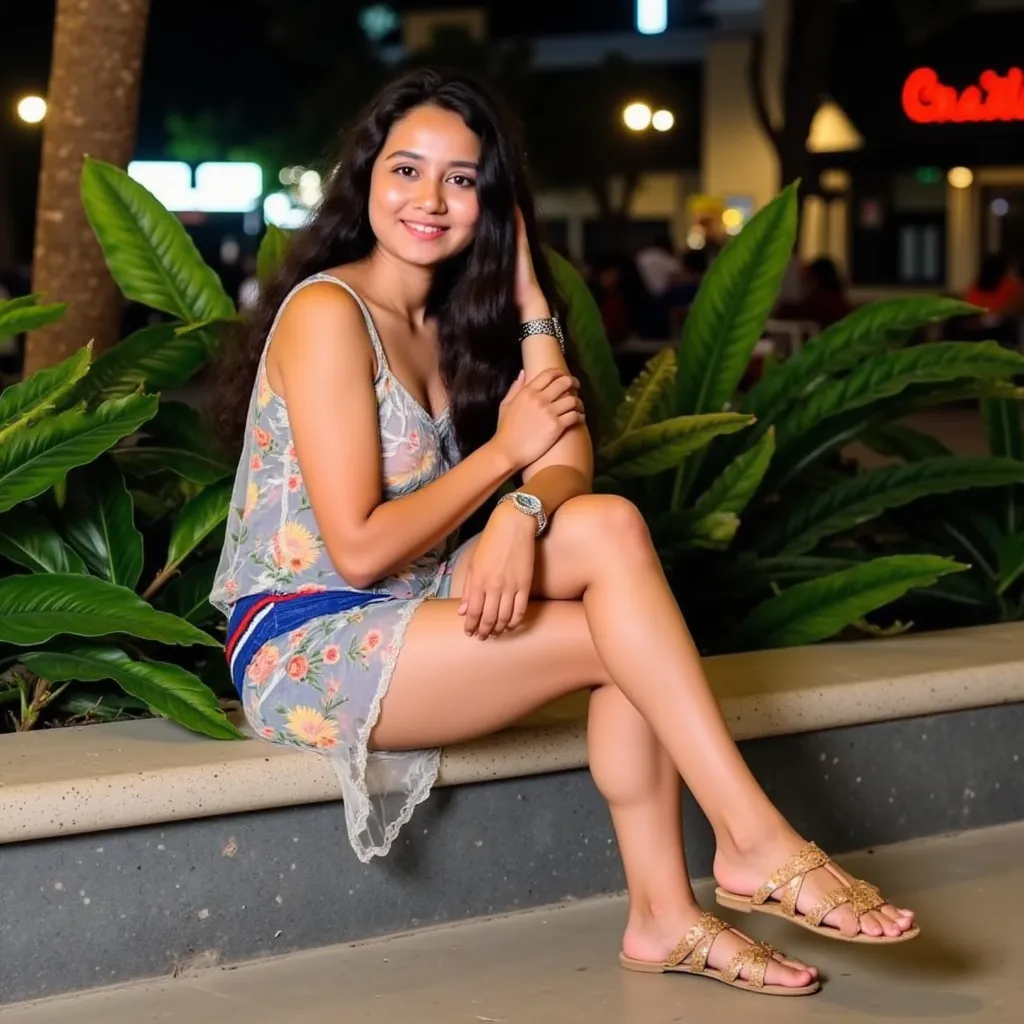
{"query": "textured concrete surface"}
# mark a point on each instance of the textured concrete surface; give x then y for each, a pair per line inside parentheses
(557, 965)
(135, 903)
(137, 773)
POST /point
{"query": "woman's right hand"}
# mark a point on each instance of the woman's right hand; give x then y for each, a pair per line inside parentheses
(534, 415)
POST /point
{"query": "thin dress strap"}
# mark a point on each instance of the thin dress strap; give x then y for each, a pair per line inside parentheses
(371, 327)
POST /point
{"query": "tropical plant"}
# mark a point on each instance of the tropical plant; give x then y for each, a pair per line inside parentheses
(746, 492)
(88, 455)
(112, 500)
(984, 528)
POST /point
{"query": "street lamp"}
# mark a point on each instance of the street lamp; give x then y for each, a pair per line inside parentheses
(960, 177)
(31, 109)
(663, 120)
(637, 117)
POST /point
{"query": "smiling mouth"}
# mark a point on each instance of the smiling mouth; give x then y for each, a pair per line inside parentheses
(424, 231)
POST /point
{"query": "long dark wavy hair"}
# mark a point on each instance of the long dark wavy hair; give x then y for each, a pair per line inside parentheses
(472, 297)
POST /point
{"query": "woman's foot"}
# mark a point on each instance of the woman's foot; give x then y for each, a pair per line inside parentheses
(743, 869)
(651, 937)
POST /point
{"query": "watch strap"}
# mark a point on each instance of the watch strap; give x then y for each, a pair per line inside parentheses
(540, 515)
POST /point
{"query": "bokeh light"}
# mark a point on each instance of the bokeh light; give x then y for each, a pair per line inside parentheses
(32, 109)
(960, 177)
(663, 120)
(637, 117)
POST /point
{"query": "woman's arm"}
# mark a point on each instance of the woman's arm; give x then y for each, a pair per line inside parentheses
(322, 357)
(567, 468)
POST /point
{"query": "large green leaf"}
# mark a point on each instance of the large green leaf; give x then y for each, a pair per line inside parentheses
(737, 483)
(188, 596)
(28, 539)
(199, 467)
(865, 332)
(649, 398)
(23, 314)
(21, 404)
(147, 249)
(154, 359)
(801, 525)
(99, 523)
(21, 302)
(586, 332)
(837, 431)
(167, 689)
(663, 445)
(38, 457)
(732, 306)
(273, 250)
(180, 425)
(889, 374)
(36, 608)
(820, 608)
(748, 574)
(1010, 555)
(197, 520)
(902, 442)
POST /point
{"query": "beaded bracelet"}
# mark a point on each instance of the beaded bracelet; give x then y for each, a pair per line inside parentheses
(549, 325)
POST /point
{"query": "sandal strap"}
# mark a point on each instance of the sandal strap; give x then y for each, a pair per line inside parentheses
(755, 957)
(697, 942)
(828, 903)
(809, 858)
(864, 896)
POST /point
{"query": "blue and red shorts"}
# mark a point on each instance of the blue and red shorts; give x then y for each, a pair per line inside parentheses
(259, 618)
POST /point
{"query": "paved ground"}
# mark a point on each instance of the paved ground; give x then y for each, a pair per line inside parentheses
(557, 966)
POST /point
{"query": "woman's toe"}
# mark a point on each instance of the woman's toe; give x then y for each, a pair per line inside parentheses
(900, 918)
(799, 965)
(871, 924)
(844, 920)
(889, 927)
(784, 974)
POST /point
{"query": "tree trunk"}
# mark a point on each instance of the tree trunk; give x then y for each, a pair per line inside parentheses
(810, 35)
(93, 109)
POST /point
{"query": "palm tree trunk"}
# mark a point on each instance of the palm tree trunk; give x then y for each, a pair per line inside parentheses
(93, 109)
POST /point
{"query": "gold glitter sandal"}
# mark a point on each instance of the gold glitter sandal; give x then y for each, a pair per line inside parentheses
(696, 945)
(862, 896)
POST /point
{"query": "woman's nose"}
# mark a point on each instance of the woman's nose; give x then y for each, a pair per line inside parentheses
(429, 197)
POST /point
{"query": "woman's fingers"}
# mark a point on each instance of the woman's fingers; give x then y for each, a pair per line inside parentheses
(506, 606)
(554, 389)
(489, 615)
(473, 602)
(519, 605)
(567, 403)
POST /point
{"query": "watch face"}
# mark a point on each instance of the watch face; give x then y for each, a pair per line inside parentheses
(528, 503)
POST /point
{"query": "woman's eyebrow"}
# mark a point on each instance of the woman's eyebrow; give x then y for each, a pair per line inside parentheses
(408, 154)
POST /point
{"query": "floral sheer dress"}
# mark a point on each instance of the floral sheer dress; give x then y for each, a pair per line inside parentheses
(318, 680)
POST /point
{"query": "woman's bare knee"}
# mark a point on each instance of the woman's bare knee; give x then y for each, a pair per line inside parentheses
(601, 524)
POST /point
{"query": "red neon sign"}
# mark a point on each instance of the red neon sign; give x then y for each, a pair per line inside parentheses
(996, 98)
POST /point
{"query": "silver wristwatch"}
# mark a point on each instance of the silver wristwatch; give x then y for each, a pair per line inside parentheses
(530, 505)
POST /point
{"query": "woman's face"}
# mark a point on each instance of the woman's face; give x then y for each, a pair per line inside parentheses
(423, 199)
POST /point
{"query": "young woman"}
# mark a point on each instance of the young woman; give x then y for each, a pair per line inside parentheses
(408, 363)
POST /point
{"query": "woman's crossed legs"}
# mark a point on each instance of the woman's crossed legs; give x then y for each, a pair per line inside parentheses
(605, 618)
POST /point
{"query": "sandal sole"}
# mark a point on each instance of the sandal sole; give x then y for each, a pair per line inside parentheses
(647, 967)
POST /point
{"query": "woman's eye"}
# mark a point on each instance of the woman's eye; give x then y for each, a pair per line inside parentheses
(405, 171)
(462, 181)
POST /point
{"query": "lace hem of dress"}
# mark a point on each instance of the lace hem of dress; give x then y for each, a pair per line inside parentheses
(357, 777)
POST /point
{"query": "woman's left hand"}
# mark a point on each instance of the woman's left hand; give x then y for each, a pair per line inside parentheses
(527, 291)
(500, 574)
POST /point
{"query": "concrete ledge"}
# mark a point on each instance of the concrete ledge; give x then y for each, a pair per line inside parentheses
(137, 773)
